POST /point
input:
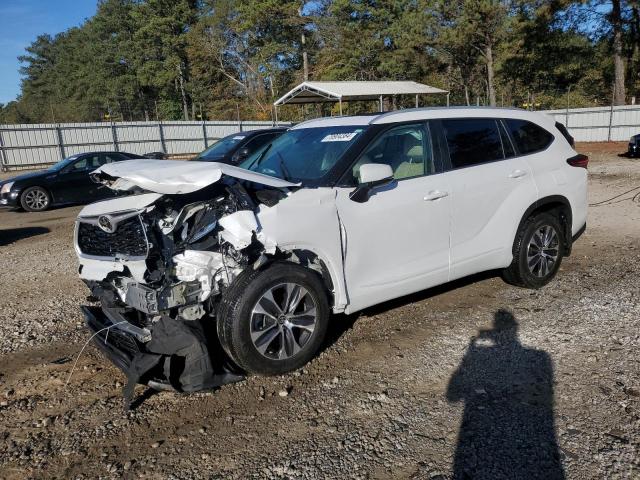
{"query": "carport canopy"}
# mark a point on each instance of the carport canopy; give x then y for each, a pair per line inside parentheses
(322, 92)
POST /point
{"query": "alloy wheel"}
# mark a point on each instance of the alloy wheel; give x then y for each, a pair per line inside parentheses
(36, 199)
(283, 320)
(543, 251)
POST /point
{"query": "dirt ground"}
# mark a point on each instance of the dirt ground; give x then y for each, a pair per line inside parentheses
(402, 390)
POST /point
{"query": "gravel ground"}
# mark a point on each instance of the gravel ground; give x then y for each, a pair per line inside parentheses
(472, 377)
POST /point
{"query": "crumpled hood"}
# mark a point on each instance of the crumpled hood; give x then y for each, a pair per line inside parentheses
(175, 176)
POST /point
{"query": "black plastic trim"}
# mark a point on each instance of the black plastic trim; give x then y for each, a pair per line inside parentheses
(579, 233)
(96, 320)
(567, 222)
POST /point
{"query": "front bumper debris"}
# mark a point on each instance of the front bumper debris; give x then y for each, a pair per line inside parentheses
(175, 353)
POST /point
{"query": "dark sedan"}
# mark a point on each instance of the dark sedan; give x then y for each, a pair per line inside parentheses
(235, 148)
(634, 146)
(63, 183)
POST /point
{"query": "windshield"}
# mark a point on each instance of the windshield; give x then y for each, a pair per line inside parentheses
(221, 147)
(63, 163)
(305, 153)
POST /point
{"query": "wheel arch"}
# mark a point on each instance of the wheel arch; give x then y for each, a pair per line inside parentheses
(552, 203)
(318, 264)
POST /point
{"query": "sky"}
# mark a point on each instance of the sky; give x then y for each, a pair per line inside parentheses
(22, 22)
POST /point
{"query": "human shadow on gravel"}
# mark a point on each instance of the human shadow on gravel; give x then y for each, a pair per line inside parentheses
(12, 235)
(508, 428)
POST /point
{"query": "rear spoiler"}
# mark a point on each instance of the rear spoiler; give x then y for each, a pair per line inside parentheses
(565, 133)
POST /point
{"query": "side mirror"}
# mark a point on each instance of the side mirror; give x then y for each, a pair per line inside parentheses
(372, 175)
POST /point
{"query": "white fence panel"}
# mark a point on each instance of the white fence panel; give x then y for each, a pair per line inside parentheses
(600, 124)
(28, 146)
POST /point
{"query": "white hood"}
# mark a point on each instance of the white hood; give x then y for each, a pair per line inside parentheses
(177, 176)
(119, 204)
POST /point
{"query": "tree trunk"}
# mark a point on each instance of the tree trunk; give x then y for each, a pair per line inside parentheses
(303, 44)
(466, 94)
(183, 93)
(635, 56)
(618, 62)
(491, 89)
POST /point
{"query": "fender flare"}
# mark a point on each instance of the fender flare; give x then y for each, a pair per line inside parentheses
(566, 222)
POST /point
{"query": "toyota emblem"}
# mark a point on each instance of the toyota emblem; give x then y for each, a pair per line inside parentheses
(105, 223)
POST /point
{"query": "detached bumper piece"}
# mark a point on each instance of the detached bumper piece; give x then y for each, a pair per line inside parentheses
(177, 352)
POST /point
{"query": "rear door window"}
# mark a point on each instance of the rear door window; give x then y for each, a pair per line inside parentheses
(112, 157)
(472, 141)
(528, 137)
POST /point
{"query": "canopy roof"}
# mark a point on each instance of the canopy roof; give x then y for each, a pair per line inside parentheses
(319, 92)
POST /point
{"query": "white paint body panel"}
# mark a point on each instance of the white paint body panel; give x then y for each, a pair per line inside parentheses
(308, 220)
(488, 200)
(119, 204)
(396, 242)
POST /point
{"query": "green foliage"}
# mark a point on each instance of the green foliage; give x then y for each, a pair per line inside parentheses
(226, 59)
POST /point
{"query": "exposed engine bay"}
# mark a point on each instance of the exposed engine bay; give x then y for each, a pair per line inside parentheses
(158, 265)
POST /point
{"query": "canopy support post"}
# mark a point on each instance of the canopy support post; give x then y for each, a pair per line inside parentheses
(340, 102)
(381, 104)
(448, 98)
(416, 100)
(275, 107)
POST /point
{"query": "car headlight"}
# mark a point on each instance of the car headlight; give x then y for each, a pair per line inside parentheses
(6, 187)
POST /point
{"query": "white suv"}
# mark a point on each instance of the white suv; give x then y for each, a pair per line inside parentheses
(337, 214)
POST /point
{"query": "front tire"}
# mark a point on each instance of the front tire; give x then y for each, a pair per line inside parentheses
(35, 199)
(537, 252)
(274, 321)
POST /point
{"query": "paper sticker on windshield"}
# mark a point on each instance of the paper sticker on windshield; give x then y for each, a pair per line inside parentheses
(339, 137)
(239, 137)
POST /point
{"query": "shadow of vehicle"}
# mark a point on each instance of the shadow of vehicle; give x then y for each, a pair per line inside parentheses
(507, 429)
(14, 234)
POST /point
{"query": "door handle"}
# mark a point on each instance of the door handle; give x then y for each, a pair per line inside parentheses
(517, 174)
(435, 195)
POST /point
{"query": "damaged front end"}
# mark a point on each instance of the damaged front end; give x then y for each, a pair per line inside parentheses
(158, 263)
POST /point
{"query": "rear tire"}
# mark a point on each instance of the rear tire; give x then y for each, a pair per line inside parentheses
(537, 252)
(273, 321)
(35, 199)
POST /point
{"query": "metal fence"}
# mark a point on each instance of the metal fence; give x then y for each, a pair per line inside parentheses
(600, 124)
(29, 146)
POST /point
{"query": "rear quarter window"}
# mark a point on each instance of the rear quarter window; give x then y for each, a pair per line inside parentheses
(528, 137)
(472, 141)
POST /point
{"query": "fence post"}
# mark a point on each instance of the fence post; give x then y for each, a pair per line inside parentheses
(610, 123)
(204, 135)
(60, 142)
(162, 143)
(114, 137)
(3, 157)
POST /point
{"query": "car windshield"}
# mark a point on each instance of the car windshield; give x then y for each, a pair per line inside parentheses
(63, 163)
(304, 154)
(221, 147)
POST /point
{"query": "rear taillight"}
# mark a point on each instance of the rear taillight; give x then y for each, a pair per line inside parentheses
(578, 161)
